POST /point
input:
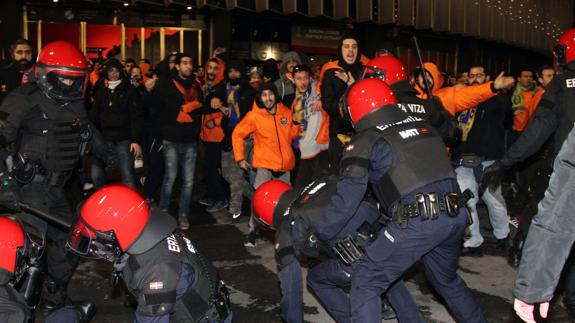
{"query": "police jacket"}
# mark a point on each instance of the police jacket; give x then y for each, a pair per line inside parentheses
(171, 280)
(555, 114)
(297, 212)
(13, 308)
(395, 154)
(431, 111)
(550, 237)
(118, 113)
(50, 133)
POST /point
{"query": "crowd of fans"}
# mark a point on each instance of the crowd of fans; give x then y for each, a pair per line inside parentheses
(224, 128)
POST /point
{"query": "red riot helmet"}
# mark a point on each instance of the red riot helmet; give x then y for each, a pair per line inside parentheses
(62, 71)
(12, 244)
(265, 199)
(114, 220)
(365, 96)
(387, 68)
(565, 48)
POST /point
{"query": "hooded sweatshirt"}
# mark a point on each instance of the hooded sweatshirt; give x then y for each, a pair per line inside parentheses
(284, 84)
(273, 135)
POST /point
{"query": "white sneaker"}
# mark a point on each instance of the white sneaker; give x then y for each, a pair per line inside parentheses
(183, 222)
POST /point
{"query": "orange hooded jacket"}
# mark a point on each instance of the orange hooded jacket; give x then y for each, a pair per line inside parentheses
(273, 135)
(456, 100)
(215, 134)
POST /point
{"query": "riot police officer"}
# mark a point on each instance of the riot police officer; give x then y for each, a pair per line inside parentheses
(166, 273)
(20, 251)
(555, 117)
(46, 121)
(294, 212)
(391, 70)
(403, 161)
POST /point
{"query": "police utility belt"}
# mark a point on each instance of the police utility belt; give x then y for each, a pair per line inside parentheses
(427, 206)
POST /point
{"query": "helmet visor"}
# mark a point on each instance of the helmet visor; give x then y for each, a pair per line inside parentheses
(373, 72)
(62, 83)
(89, 243)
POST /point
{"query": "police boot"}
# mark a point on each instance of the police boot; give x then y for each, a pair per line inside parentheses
(55, 297)
(86, 310)
(514, 257)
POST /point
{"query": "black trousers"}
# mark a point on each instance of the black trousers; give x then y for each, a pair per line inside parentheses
(212, 162)
(311, 169)
(50, 199)
(154, 164)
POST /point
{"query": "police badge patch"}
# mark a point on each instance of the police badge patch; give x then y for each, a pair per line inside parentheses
(156, 285)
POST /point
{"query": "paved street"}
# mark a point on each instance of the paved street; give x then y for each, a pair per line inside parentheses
(250, 274)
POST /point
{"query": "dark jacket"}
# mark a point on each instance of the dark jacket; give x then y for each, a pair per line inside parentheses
(487, 135)
(169, 100)
(554, 114)
(118, 113)
(10, 78)
(332, 89)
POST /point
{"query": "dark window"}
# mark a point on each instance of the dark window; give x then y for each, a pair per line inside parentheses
(352, 9)
(248, 4)
(276, 5)
(302, 6)
(328, 7)
(217, 3)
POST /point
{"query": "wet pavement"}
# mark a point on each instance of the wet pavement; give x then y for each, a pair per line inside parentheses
(250, 273)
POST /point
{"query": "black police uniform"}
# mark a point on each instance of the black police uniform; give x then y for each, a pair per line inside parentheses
(170, 279)
(13, 309)
(431, 111)
(52, 136)
(405, 164)
(296, 214)
(554, 115)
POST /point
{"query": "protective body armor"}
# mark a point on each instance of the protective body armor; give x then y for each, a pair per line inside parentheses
(13, 308)
(154, 275)
(53, 134)
(419, 155)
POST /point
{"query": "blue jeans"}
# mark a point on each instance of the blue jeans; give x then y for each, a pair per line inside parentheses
(182, 156)
(125, 163)
(494, 202)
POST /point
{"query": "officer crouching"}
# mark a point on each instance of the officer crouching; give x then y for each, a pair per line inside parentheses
(165, 272)
(404, 162)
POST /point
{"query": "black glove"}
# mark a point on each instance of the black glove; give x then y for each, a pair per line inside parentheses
(492, 176)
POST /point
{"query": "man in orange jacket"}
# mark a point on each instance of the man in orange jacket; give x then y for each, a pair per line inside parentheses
(273, 130)
(455, 99)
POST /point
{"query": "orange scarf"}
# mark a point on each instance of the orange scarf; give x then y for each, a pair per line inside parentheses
(191, 103)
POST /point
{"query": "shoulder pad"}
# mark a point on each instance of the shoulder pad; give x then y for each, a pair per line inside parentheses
(356, 155)
(157, 285)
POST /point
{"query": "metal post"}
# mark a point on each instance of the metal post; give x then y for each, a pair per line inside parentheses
(123, 45)
(200, 47)
(162, 43)
(39, 38)
(142, 43)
